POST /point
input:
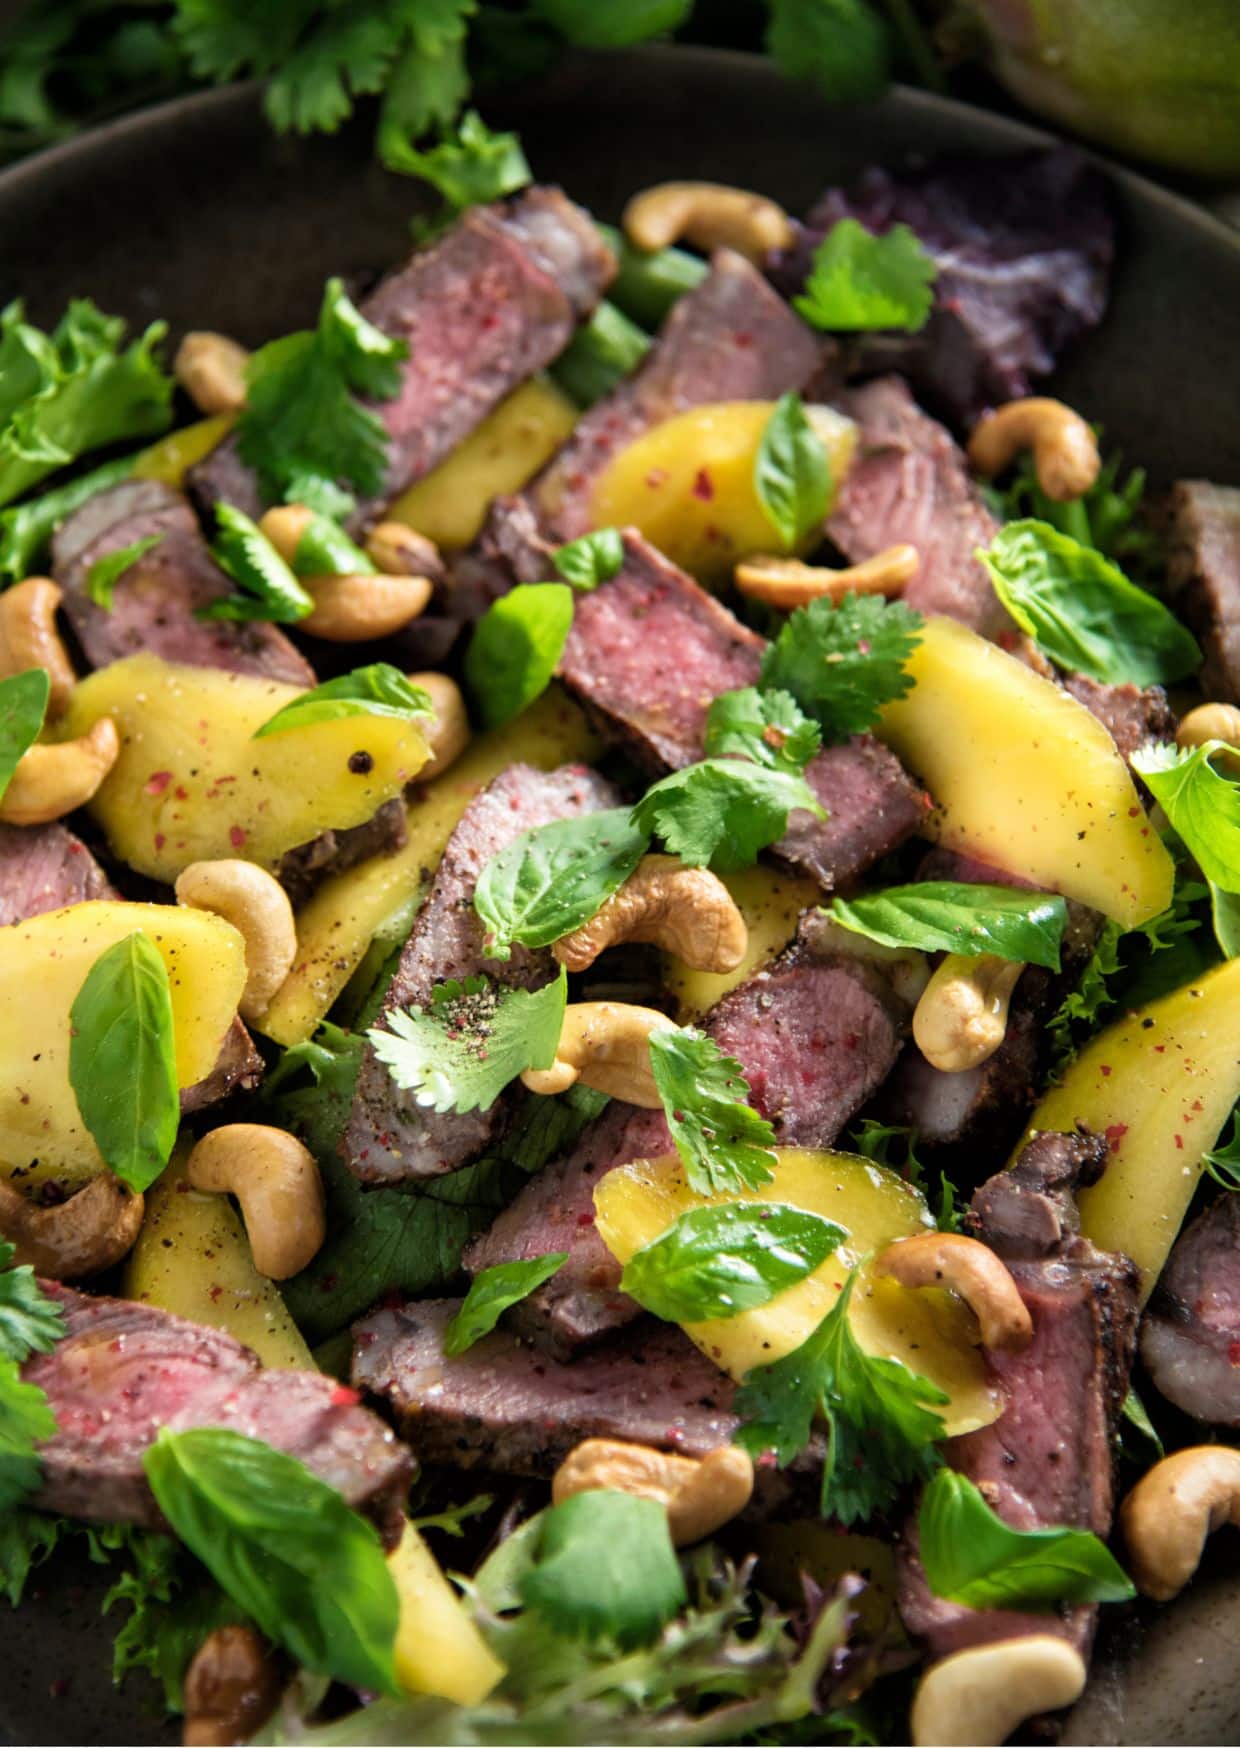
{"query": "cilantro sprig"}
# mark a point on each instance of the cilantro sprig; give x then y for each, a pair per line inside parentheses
(720, 813)
(765, 725)
(1202, 801)
(842, 663)
(723, 1143)
(859, 282)
(30, 1323)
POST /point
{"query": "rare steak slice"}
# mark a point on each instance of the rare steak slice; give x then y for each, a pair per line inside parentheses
(1190, 1335)
(389, 1137)
(1131, 714)
(124, 1370)
(1203, 571)
(44, 867)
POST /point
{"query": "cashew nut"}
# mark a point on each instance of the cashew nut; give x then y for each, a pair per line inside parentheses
(1065, 450)
(447, 734)
(686, 911)
(400, 551)
(283, 525)
(787, 583)
(979, 1695)
(358, 608)
(700, 1494)
(53, 779)
(277, 1183)
(961, 1018)
(606, 1045)
(1210, 722)
(969, 1268)
(232, 1687)
(211, 369)
(258, 907)
(710, 215)
(29, 639)
(1172, 1509)
(90, 1232)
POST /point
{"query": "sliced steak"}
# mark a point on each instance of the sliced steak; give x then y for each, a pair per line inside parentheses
(238, 1068)
(1130, 715)
(1203, 572)
(389, 1137)
(124, 1370)
(1190, 1337)
(44, 867)
(491, 302)
(332, 852)
(155, 601)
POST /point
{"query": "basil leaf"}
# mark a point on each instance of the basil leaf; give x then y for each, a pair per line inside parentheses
(767, 727)
(946, 916)
(516, 647)
(1082, 611)
(718, 1262)
(1225, 916)
(791, 474)
(605, 1569)
(592, 559)
(722, 812)
(492, 1292)
(106, 572)
(1202, 804)
(971, 1556)
(325, 550)
(723, 1143)
(285, 1547)
(859, 282)
(842, 663)
(270, 591)
(23, 706)
(553, 878)
(377, 690)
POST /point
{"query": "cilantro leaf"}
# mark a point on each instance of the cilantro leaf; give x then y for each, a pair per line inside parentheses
(721, 812)
(591, 559)
(613, 24)
(1082, 611)
(26, 1419)
(427, 82)
(467, 166)
(840, 45)
(719, 1261)
(30, 1322)
(767, 727)
(605, 1569)
(106, 572)
(269, 590)
(23, 706)
(791, 473)
(515, 649)
(1202, 803)
(554, 877)
(491, 1292)
(859, 282)
(843, 662)
(873, 1140)
(476, 1038)
(346, 54)
(1223, 1161)
(971, 1556)
(953, 917)
(376, 690)
(723, 1143)
(881, 1431)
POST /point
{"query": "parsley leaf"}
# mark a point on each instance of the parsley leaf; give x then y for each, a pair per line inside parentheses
(720, 1261)
(859, 282)
(106, 572)
(554, 877)
(951, 916)
(722, 812)
(475, 1039)
(377, 690)
(26, 1418)
(1202, 804)
(724, 1144)
(791, 474)
(767, 727)
(971, 1556)
(591, 559)
(269, 590)
(30, 1322)
(515, 649)
(843, 662)
(841, 45)
(605, 1569)
(23, 706)
(491, 1292)
(1223, 1161)
(881, 1431)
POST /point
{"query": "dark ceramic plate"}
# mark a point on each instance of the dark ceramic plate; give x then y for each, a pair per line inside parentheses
(194, 211)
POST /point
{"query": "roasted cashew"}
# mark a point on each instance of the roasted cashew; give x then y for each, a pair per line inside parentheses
(1172, 1509)
(700, 1494)
(355, 609)
(283, 525)
(447, 734)
(606, 1045)
(277, 1183)
(232, 1687)
(400, 551)
(970, 1269)
(211, 369)
(710, 215)
(686, 911)
(29, 639)
(979, 1695)
(961, 1018)
(258, 907)
(54, 778)
(1210, 722)
(90, 1232)
(1065, 450)
(787, 583)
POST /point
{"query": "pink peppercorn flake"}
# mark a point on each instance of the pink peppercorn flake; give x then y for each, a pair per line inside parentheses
(236, 836)
(157, 782)
(703, 486)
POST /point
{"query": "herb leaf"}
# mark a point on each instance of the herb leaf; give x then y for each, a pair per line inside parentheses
(106, 572)
(971, 1556)
(605, 1569)
(325, 550)
(491, 1292)
(26, 1418)
(469, 165)
(952, 917)
(791, 474)
(377, 690)
(23, 706)
(859, 282)
(841, 45)
(122, 1061)
(1223, 1161)
(724, 1144)
(591, 559)
(30, 1322)
(722, 812)
(843, 663)
(720, 1261)
(1225, 916)
(554, 877)
(269, 590)
(1082, 611)
(516, 647)
(767, 727)
(1202, 804)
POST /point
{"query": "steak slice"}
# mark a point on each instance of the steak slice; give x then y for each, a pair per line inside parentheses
(125, 1370)
(332, 852)
(156, 599)
(1190, 1336)
(492, 301)
(389, 1137)
(1130, 715)
(1202, 523)
(238, 1068)
(44, 867)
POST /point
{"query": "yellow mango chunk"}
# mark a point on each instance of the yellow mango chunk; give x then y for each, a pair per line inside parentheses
(450, 504)
(931, 1332)
(191, 784)
(438, 1649)
(687, 483)
(172, 457)
(1024, 777)
(339, 922)
(43, 964)
(1160, 1084)
(193, 1258)
(771, 904)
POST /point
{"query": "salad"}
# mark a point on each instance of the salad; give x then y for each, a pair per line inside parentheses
(620, 952)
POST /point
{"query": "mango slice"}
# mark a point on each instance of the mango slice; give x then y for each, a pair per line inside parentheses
(171, 458)
(932, 1332)
(439, 1650)
(771, 904)
(1024, 777)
